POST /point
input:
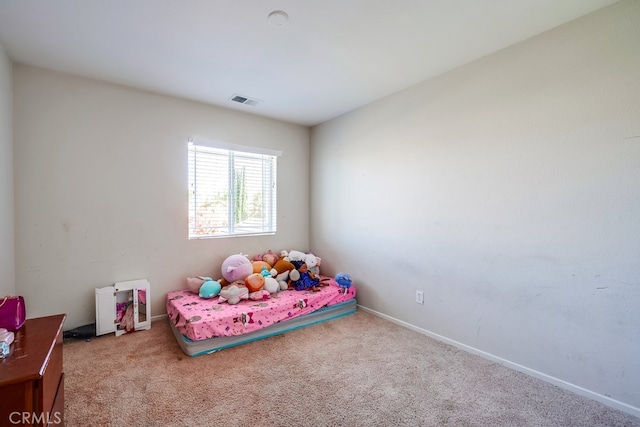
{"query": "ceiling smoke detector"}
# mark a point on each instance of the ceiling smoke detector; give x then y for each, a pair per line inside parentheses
(278, 18)
(244, 100)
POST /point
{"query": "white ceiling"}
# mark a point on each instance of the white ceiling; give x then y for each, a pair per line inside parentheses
(333, 56)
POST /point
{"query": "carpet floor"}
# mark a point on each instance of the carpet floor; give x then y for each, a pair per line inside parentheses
(359, 370)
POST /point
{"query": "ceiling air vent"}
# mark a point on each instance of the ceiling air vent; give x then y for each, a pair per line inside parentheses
(244, 100)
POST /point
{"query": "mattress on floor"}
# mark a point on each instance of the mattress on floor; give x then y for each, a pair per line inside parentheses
(211, 345)
(197, 319)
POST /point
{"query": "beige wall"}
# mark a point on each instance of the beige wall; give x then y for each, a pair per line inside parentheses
(101, 189)
(508, 191)
(7, 251)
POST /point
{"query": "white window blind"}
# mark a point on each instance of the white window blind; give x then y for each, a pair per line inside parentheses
(231, 191)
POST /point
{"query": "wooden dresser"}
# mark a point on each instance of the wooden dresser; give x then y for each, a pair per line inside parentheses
(31, 376)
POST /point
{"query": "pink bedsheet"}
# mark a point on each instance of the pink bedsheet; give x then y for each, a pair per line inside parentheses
(198, 318)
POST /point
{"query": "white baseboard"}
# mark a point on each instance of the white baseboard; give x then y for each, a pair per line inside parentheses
(158, 317)
(632, 410)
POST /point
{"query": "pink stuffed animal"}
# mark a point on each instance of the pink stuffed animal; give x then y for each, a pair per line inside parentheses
(194, 283)
(233, 293)
(269, 257)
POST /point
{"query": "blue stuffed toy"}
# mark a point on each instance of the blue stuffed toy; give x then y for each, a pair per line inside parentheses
(344, 281)
(210, 288)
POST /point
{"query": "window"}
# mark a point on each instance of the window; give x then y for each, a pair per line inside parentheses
(232, 190)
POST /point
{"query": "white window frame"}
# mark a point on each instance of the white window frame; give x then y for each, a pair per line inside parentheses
(204, 222)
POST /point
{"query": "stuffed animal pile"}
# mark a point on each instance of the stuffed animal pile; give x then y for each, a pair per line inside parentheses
(260, 277)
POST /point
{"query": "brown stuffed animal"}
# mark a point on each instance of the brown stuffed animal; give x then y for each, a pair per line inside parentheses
(281, 272)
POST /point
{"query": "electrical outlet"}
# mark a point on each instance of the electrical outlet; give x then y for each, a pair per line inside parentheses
(420, 297)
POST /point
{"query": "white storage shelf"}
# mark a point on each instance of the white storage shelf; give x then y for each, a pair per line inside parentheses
(123, 307)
